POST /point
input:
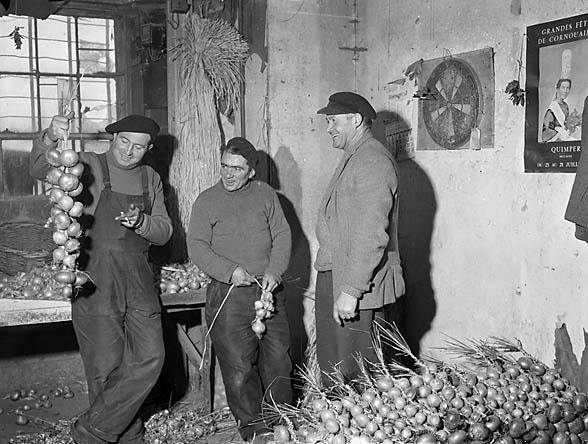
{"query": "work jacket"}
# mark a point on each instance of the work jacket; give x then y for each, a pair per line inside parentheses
(358, 223)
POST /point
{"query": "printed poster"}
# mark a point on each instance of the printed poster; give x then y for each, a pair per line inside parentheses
(556, 86)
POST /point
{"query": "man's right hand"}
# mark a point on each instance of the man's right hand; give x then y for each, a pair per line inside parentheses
(241, 278)
(58, 128)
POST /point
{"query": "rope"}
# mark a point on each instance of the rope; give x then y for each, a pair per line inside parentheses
(214, 320)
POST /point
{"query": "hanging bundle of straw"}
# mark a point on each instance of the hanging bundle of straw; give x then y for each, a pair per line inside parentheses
(209, 56)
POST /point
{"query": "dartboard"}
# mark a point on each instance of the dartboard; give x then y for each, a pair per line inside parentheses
(453, 106)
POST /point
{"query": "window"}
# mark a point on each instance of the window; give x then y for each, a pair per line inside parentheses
(63, 64)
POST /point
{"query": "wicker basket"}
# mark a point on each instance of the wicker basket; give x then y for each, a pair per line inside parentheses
(24, 245)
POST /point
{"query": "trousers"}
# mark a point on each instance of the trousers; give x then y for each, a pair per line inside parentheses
(119, 332)
(253, 369)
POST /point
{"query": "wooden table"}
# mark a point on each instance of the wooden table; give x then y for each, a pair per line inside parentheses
(14, 312)
(200, 357)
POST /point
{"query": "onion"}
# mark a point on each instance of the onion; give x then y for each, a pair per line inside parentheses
(77, 191)
(281, 434)
(68, 182)
(72, 245)
(69, 158)
(65, 203)
(76, 210)
(58, 254)
(55, 210)
(69, 260)
(77, 170)
(67, 291)
(59, 237)
(61, 221)
(172, 287)
(258, 327)
(21, 420)
(53, 157)
(53, 176)
(74, 230)
(65, 277)
(194, 285)
(260, 313)
(55, 194)
(81, 279)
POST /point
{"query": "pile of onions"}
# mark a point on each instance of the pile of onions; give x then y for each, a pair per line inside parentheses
(264, 308)
(180, 278)
(64, 178)
(506, 400)
(37, 283)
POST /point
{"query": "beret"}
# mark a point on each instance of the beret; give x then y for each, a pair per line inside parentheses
(241, 146)
(134, 124)
(348, 103)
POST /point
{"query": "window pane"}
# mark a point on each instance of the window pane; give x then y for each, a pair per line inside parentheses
(98, 103)
(16, 113)
(48, 95)
(96, 45)
(56, 55)
(11, 58)
(96, 146)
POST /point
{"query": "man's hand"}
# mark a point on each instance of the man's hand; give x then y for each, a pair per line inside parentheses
(344, 308)
(241, 278)
(131, 218)
(269, 282)
(58, 129)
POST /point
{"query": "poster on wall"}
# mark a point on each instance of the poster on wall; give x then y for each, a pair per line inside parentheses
(456, 102)
(556, 85)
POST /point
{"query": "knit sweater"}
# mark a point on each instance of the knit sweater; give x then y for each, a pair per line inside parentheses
(244, 228)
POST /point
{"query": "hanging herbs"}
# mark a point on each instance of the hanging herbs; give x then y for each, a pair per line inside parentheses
(17, 37)
(517, 95)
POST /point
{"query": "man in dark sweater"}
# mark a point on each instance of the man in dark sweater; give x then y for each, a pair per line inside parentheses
(238, 233)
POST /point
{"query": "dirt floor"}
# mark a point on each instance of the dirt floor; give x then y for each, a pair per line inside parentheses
(44, 418)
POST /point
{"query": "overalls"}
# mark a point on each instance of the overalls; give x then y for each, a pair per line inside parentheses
(118, 323)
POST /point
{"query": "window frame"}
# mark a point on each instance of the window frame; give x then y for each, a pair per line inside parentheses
(35, 76)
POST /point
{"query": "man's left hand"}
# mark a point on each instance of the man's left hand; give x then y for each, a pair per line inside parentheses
(344, 308)
(131, 218)
(269, 282)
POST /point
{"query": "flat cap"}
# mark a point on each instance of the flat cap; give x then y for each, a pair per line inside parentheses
(348, 103)
(135, 124)
(241, 146)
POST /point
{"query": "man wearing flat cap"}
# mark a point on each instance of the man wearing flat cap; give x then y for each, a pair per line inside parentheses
(117, 315)
(358, 263)
(238, 235)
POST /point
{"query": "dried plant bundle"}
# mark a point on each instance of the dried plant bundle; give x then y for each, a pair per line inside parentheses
(209, 56)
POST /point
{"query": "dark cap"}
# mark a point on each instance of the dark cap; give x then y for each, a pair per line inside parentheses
(241, 146)
(135, 124)
(348, 103)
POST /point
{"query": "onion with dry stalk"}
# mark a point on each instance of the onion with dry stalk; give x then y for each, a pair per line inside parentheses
(499, 394)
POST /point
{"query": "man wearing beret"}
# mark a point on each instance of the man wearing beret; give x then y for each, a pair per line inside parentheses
(358, 264)
(116, 317)
(239, 236)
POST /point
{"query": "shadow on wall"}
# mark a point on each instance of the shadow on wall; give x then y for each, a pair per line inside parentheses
(297, 276)
(174, 379)
(159, 158)
(417, 210)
